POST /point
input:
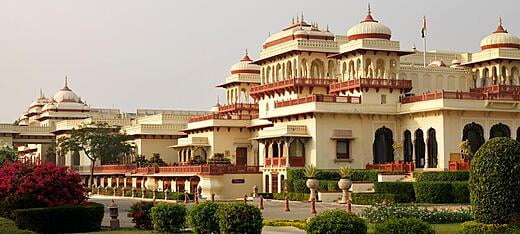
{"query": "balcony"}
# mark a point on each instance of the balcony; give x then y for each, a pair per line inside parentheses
(282, 162)
(512, 89)
(222, 116)
(208, 169)
(294, 84)
(393, 166)
(364, 84)
(462, 96)
(238, 107)
(319, 98)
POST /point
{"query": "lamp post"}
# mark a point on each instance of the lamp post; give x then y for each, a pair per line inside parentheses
(113, 210)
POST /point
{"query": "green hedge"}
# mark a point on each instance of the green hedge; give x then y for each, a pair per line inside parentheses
(441, 192)
(239, 218)
(404, 190)
(404, 226)
(357, 175)
(299, 186)
(266, 195)
(292, 196)
(203, 218)
(336, 221)
(61, 219)
(472, 227)
(441, 176)
(373, 198)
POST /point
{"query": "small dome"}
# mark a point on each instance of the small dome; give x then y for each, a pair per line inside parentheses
(41, 101)
(437, 63)
(501, 38)
(245, 66)
(49, 106)
(66, 95)
(369, 29)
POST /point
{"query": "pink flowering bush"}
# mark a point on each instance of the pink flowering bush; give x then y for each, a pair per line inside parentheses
(26, 185)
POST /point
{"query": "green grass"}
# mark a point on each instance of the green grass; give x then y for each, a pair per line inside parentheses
(8, 226)
(450, 228)
(123, 231)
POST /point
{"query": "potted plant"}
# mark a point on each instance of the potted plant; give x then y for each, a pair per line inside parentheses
(345, 183)
(465, 150)
(398, 148)
(310, 172)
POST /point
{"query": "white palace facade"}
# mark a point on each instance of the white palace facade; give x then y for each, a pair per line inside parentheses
(315, 97)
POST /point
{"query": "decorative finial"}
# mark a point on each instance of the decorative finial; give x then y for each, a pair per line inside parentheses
(41, 93)
(413, 47)
(292, 21)
(302, 17)
(500, 28)
(247, 52)
(327, 28)
(66, 82)
(500, 20)
(297, 18)
(369, 10)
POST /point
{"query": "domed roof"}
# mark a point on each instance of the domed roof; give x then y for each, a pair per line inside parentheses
(41, 101)
(298, 30)
(369, 28)
(501, 38)
(66, 95)
(437, 63)
(245, 66)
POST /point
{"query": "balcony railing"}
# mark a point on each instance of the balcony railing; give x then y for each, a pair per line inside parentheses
(222, 116)
(461, 95)
(497, 89)
(319, 98)
(291, 83)
(393, 166)
(206, 169)
(367, 83)
(238, 107)
(282, 162)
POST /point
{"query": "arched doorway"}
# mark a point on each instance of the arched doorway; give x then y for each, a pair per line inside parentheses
(408, 146)
(420, 149)
(75, 160)
(266, 188)
(432, 148)
(474, 133)
(382, 147)
(499, 130)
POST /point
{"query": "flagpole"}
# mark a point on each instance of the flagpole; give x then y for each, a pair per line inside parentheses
(424, 53)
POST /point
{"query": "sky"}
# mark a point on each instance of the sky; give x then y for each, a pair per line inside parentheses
(169, 54)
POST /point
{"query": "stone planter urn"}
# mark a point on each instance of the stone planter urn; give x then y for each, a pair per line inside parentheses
(312, 184)
(344, 184)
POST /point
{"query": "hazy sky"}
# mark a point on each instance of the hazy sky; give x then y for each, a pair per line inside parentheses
(170, 54)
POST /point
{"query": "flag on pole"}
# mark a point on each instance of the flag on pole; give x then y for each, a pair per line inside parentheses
(423, 30)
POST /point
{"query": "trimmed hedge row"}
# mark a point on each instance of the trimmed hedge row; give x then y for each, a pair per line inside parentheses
(373, 198)
(404, 190)
(292, 196)
(442, 192)
(78, 218)
(441, 176)
(109, 191)
(328, 185)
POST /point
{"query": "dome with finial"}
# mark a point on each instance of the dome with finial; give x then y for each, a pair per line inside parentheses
(437, 63)
(245, 66)
(501, 38)
(369, 28)
(66, 95)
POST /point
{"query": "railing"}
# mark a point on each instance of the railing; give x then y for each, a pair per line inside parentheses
(115, 168)
(393, 166)
(461, 165)
(209, 169)
(282, 161)
(461, 95)
(319, 98)
(238, 107)
(291, 83)
(497, 89)
(371, 83)
(221, 116)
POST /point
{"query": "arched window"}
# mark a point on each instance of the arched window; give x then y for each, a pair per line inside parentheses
(266, 150)
(382, 147)
(420, 149)
(297, 149)
(276, 152)
(432, 148)
(200, 152)
(474, 133)
(499, 130)
(408, 146)
(75, 158)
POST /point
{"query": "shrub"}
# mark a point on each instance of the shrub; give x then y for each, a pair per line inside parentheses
(404, 226)
(433, 192)
(203, 218)
(329, 175)
(291, 196)
(495, 181)
(323, 185)
(460, 191)
(472, 227)
(140, 214)
(297, 223)
(9, 227)
(336, 221)
(26, 185)
(404, 190)
(373, 198)
(380, 213)
(239, 218)
(441, 176)
(78, 218)
(299, 186)
(370, 175)
(266, 195)
(169, 218)
(332, 185)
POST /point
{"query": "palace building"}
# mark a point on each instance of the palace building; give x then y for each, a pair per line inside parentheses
(320, 98)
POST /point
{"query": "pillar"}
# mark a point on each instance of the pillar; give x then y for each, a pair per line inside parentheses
(117, 182)
(173, 185)
(134, 182)
(187, 186)
(279, 179)
(109, 181)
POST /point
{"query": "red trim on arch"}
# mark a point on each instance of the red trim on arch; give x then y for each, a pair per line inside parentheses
(369, 35)
(501, 45)
(248, 71)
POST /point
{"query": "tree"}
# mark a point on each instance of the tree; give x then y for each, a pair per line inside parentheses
(7, 154)
(99, 141)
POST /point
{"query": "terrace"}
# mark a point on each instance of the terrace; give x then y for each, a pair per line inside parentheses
(238, 107)
(290, 161)
(295, 84)
(319, 98)
(364, 84)
(222, 116)
(188, 169)
(462, 96)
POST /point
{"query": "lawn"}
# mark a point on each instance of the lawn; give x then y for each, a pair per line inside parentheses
(439, 228)
(8, 226)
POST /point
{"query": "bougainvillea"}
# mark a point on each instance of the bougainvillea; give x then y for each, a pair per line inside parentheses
(27, 185)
